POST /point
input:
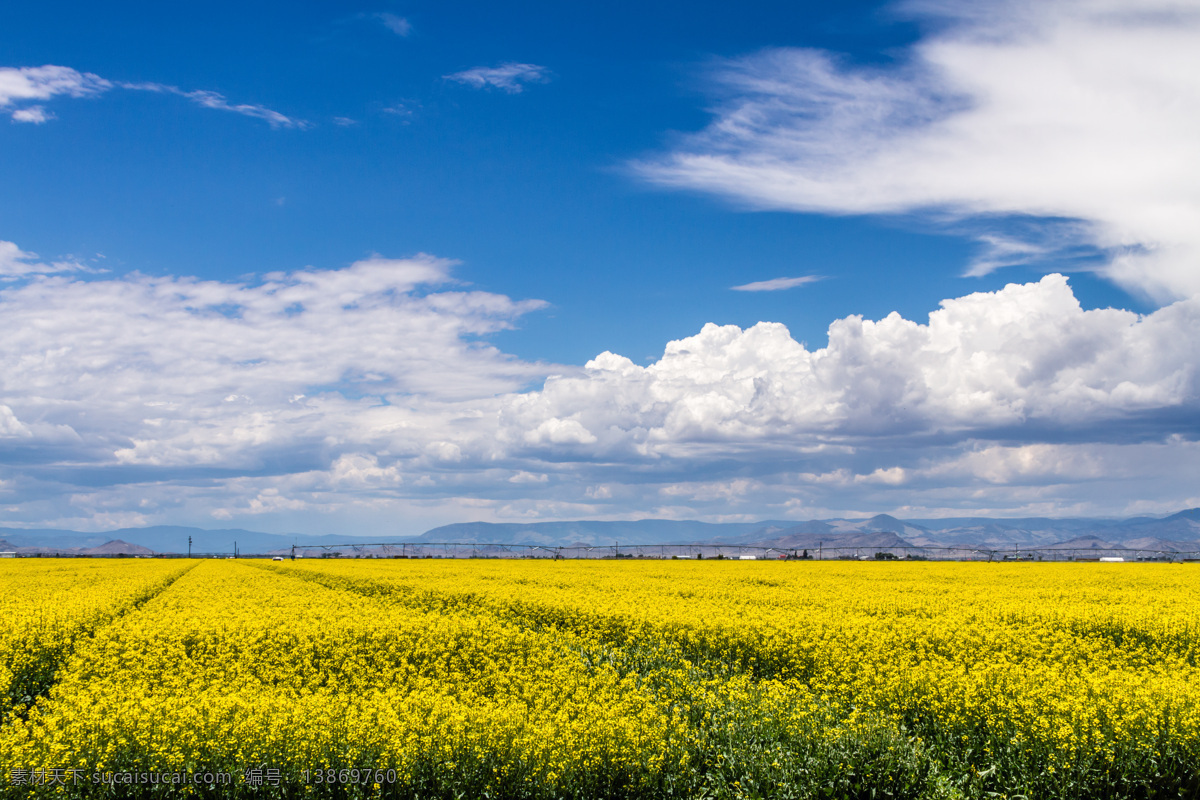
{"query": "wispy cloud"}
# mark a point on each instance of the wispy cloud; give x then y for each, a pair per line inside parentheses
(396, 24)
(17, 263)
(23, 89)
(20, 86)
(1057, 110)
(509, 77)
(218, 102)
(776, 284)
(402, 110)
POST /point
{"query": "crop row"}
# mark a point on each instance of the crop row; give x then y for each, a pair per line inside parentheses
(1059, 675)
(578, 679)
(47, 605)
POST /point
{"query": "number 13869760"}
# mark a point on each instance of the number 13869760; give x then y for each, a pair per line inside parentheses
(362, 777)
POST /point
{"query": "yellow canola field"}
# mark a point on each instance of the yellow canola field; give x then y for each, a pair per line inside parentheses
(1057, 664)
(587, 679)
(46, 604)
(237, 667)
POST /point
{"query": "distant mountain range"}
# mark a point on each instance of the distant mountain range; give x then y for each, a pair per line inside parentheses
(592, 532)
(159, 539)
(1177, 533)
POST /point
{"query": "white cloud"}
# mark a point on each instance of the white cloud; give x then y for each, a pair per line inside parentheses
(776, 284)
(986, 365)
(396, 24)
(21, 86)
(16, 263)
(10, 426)
(218, 102)
(1002, 464)
(34, 114)
(370, 394)
(559, 431)
(510, 77)
(363, 470)
(399, 110)
(173, 372)
(528, 477)
(893, 476)
(710, 491)
(1074, 110)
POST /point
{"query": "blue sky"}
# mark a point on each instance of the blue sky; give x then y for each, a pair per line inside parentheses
(496, 196)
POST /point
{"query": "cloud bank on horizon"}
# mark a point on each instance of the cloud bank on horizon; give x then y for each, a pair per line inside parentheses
(367, 390)
(371, 393)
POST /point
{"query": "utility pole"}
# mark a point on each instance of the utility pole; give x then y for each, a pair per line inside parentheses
(820, 547)
(189, 547)
(293, 552)
(235, 548)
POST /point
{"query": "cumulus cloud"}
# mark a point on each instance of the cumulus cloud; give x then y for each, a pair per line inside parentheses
(370, 393)
(510, 77)
(22, 87)
(991, 365)
(176, 372)
(1065, 111)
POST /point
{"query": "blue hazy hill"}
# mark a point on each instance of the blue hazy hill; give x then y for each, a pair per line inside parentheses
(1179, 528)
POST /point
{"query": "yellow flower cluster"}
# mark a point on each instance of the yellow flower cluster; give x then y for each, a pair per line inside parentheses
(1061, 661)
(46, 604)
(621, 678)
(236, 667)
